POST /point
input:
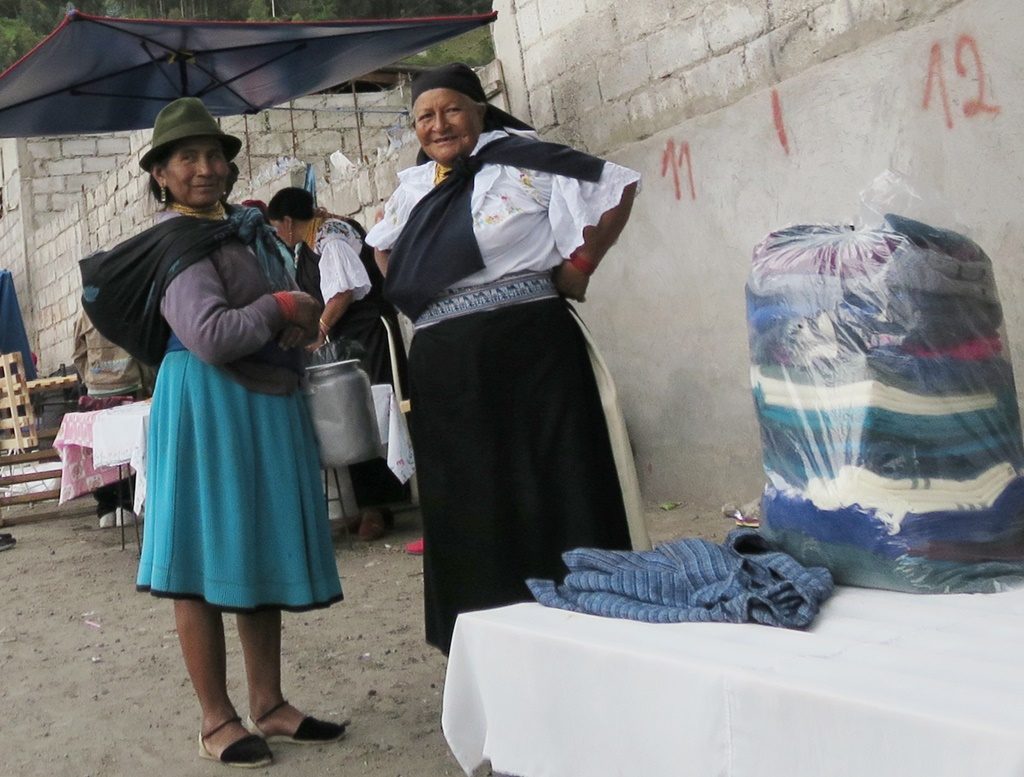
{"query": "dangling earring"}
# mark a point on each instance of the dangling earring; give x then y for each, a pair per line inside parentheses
(163, 195)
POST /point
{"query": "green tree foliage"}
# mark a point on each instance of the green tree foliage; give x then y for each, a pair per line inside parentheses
(23, 23)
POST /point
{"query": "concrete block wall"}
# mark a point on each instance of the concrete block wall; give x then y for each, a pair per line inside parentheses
(745, 116)
(59, 169)
(313, 128)
(57, 286)
(55, 213)
(599, 74)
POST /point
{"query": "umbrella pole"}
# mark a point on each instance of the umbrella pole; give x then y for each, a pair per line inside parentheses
(359, 122)
(295, 142)
(248, 148)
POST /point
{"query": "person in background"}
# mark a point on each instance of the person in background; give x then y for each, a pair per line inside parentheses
(333, 264)
(483, 244)
(236, 520)
(112, 376)
(260, 205)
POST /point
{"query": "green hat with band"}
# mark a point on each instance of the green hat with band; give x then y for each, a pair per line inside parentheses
(186, 117)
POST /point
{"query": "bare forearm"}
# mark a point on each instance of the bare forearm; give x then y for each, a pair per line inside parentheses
(573, 276)
(602, 236)
(381, 257)
(335, 308)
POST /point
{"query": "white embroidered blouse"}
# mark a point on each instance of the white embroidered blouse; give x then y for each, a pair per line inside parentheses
(338, 245)
(523, 220)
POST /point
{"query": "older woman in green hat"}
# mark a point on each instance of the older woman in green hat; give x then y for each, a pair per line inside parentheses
(236, 520)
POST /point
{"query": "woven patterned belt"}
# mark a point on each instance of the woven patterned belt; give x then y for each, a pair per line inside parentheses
(510, 290)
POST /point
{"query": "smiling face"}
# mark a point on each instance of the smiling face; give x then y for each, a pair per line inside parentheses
(196, 172)
(447, 124)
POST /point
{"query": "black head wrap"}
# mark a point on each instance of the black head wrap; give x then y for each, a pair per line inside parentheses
(461, 78)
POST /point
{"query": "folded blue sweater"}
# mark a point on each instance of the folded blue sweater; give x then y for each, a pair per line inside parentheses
(740, 581)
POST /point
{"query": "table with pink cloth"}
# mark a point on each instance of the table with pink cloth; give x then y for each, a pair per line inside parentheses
(95, 447)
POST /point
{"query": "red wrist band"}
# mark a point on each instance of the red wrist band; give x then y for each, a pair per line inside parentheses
(286, 302)
(581, 263)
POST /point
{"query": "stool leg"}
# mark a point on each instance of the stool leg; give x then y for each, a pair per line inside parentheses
(341, 502)
(337, 490)
(135, 517)
(119, 511)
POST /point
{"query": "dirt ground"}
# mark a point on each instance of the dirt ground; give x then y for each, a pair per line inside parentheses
(93, 683)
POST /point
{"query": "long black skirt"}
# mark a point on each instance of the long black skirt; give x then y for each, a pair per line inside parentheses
(513, 457)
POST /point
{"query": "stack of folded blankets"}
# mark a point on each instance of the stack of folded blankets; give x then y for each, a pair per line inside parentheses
(888, 412)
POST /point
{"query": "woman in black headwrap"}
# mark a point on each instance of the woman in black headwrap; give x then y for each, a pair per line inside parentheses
(482, 244)
(334, 265)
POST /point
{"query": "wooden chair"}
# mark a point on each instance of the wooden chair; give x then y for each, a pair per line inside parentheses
(17, 418)
(22, 459)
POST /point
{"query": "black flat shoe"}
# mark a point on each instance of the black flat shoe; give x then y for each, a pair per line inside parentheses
(249, 752)
(310, 731)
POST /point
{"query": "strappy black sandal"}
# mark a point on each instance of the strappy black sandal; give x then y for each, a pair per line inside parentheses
(310, 731)
(249, 752)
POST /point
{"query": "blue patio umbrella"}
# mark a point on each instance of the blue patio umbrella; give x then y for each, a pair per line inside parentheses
(99, 74)
(12, 327)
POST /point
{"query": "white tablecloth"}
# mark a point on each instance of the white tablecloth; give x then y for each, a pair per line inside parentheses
(119, 437)
(884, 685)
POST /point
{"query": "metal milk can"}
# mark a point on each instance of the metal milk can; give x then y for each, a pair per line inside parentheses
(341, 406)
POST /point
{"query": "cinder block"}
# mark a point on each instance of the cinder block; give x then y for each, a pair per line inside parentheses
(605, 129)
(631, 72)
(43, 149)
(662, 106)
(910, 10)
(678, 47)
(576, 93)
(759, 61)
(602, 38)
(118, 145)
(100, 164)
(63, 167)
(55, 183)
(78, 147)
(556, 14)
(304, 120)
(787, 10)
(542, 107)
(527, 23)
(271, 144)
(335, 119)
(728, 23)
(548, 59)
(714, 83)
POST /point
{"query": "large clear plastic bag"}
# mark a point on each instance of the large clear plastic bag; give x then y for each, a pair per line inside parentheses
(888, 412)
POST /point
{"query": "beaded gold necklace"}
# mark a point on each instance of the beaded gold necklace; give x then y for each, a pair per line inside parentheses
(215, 212)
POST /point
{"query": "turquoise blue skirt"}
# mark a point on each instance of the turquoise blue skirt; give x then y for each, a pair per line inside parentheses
(235, 512)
